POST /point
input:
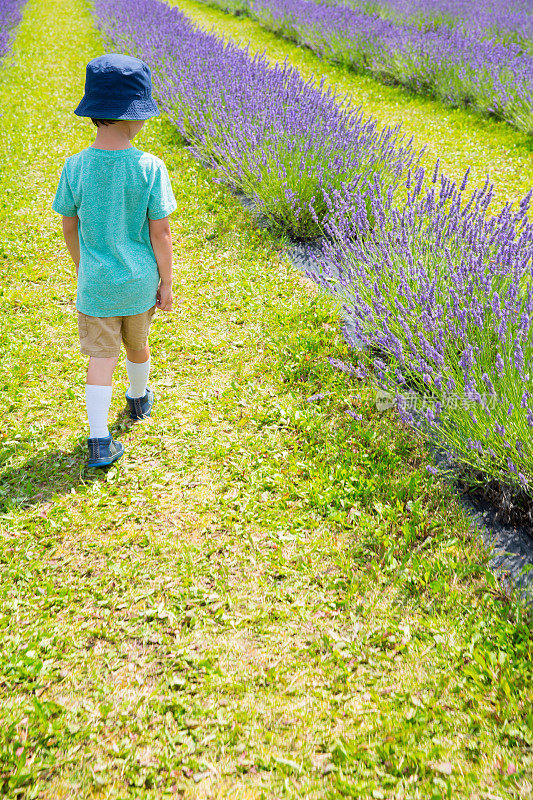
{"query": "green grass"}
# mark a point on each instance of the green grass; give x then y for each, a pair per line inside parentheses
(458, 137)
(264, 598)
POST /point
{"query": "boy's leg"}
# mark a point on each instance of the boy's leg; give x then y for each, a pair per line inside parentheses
(100, 340)
(98, 391)
(138, 368)
(135, 337)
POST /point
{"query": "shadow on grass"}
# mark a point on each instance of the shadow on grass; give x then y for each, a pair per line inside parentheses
(54, 472)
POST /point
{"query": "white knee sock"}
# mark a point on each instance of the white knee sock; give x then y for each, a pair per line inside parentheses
(98, 399)
(138, 375)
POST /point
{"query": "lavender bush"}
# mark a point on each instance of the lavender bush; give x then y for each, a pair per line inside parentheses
(441, 295)
(10, 15)
(266, 131)
(455, 63)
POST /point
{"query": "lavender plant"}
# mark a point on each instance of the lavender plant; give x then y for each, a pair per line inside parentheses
(10, 15)
(441, 295)
(461, 64)
(280, 139)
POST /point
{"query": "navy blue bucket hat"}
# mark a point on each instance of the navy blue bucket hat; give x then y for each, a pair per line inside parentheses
(117, 87)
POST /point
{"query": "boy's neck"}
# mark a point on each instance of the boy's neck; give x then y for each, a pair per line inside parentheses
(112, 137)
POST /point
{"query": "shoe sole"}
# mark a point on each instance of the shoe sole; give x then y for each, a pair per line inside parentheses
(105, 462)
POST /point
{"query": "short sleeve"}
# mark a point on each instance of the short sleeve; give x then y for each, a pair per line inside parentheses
(64, 199)
(162, 201)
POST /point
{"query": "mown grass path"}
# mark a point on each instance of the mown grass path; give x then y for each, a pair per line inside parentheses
(460, 139)
(266, 597)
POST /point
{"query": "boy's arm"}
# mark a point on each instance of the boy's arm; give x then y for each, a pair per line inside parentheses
(161, 239)
(70, 232)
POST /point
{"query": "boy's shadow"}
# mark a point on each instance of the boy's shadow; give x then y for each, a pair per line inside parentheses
(55, 472)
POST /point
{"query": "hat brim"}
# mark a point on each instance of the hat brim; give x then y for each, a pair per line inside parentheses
(137, 109)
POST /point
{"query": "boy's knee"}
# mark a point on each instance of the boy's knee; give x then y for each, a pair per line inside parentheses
(138, 356)
(100, 370)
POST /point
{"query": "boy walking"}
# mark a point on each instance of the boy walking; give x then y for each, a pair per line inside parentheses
(115, 201)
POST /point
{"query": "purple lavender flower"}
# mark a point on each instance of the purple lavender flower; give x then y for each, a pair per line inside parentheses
(341, 365)
(465, 180)
(519, 358)
(466, 359)
(355, 415)
(319, 396)
(488, 383)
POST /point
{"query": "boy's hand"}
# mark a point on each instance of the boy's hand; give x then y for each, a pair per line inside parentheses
(164, 297)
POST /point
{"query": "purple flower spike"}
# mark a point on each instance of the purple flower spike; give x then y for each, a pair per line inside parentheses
(488, 383)
(354, 415)
(342, 366)
(512, 466)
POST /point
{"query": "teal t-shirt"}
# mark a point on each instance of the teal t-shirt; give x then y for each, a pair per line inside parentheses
(114, 193)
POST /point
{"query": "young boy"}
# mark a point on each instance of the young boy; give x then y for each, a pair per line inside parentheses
(115, 201)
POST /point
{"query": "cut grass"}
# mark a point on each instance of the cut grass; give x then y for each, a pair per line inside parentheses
(265, 598)
(459, 138)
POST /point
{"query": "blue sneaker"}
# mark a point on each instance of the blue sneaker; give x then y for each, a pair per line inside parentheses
(103, 452)
(141, 407)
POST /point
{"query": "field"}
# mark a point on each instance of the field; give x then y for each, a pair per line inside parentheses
(270, 595)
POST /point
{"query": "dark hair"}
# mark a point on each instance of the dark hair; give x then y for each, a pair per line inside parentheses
(105, 122)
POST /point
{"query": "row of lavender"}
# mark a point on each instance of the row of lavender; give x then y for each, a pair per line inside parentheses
(440, 289)
(453, 63)
(503, 20)
(10, 15)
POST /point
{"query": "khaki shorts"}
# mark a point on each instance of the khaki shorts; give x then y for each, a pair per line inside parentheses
(101, 336)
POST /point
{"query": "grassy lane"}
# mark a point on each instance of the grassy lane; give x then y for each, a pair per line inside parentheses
(266, 597)
(459, 138)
